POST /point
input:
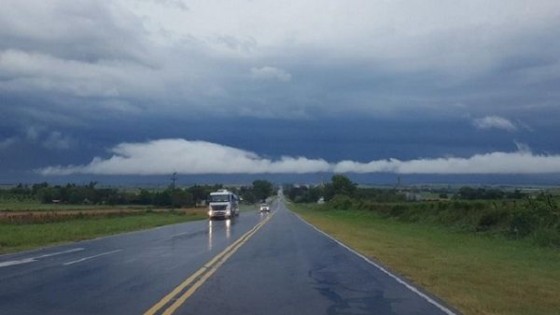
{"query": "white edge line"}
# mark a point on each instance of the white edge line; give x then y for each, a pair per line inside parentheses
(91, 257)
(60, 253)
(181, 234)
(34, 259)
(16, 262)
(398, 279)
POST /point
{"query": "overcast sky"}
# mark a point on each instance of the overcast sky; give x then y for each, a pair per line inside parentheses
(148, 87)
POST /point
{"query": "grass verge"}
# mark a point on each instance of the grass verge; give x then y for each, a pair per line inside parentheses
(17, 237)
(475, 274)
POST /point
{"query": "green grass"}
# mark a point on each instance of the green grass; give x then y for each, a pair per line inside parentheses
(476, 274)
(535, 220)
(17, 237)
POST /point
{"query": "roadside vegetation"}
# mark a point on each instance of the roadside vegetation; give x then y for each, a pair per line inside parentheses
(53, 229)
(515, 215)
(41, 214)
(492, 255)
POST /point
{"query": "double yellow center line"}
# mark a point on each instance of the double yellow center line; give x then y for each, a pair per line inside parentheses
(171, 302)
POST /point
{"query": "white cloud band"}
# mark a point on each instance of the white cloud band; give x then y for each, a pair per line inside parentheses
(199, 157)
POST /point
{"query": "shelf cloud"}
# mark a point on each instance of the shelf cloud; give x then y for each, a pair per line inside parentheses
(200, 157)
(187, 157)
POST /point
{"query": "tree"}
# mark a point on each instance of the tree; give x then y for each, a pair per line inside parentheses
(144, 197)
(339, 185)
(304, 194)
(247, 194)
(162, 198)
(262, 189)
(181, 198)
(199, 193)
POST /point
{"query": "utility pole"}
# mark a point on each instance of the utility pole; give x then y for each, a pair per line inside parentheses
(173, 180)
(398, 187)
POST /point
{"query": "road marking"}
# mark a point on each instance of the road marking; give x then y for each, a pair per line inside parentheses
(61, 253)
(180, 234)
(16, 262)
(34, 259)
(385, 271)
(91, 257)
(178, 296)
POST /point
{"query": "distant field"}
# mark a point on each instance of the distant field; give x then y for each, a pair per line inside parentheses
(31, 205)
(476, 274)
(21, 236)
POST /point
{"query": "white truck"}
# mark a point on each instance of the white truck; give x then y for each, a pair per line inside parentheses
(223, 204)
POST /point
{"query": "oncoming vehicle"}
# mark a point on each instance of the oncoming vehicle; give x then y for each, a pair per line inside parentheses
(264, 208)
(223, 204)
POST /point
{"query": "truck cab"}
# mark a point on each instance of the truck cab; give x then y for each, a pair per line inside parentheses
(223, 204)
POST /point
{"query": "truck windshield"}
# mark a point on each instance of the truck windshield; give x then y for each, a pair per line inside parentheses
(219, 198)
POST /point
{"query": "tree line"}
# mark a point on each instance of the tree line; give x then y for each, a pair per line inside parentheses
(91, 193)
(341, 185)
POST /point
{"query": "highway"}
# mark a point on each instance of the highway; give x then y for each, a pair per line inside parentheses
(255, 264)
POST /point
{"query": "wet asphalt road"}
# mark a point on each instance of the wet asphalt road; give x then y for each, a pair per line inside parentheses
(286, 267)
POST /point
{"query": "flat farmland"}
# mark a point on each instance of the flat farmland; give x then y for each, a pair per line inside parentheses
(27, 225)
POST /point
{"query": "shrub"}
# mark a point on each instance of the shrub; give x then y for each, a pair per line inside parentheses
(547, 237)
(536, 220)
(523, 223)
(398, 210)
(491, 219)
(341, 202)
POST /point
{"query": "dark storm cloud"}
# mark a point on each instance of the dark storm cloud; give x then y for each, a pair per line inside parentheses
(87, 75)
(114, 53)
(88, 31)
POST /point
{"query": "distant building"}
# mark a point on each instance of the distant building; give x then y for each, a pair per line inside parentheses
(412, 196)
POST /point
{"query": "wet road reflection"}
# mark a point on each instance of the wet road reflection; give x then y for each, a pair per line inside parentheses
(216, 228)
